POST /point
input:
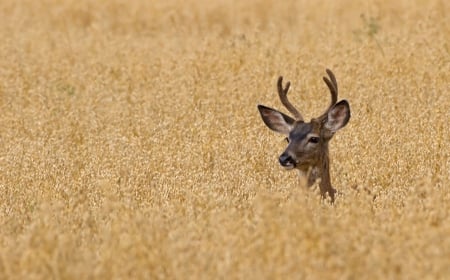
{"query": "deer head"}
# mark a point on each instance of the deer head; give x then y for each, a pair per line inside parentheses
(307, 148)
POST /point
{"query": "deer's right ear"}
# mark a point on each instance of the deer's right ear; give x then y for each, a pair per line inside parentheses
(276, 120)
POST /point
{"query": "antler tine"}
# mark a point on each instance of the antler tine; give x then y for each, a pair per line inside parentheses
(282, 92)
(332, 85)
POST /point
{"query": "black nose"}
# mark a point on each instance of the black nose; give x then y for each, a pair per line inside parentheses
(286, 160)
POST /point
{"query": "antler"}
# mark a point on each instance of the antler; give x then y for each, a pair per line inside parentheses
(332, 85)
(282, 92)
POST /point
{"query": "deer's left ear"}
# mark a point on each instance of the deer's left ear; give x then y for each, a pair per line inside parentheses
(338, 116)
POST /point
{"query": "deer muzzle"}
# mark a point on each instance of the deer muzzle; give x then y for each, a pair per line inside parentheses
(287, 161)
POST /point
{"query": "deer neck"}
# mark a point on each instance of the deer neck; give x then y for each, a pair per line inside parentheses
(313, 172)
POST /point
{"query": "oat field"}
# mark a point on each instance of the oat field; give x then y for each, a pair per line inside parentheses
(131, 146)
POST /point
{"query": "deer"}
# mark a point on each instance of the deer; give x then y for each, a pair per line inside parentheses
(307, 149)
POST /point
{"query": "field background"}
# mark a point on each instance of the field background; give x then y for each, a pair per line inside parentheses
(131, 146)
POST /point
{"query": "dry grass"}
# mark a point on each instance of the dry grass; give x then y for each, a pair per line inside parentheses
(131, 146)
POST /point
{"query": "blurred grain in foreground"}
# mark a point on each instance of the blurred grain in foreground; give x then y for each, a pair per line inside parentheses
(131, 147)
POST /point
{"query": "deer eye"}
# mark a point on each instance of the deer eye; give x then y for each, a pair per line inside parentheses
(287, 139)
(314, 140)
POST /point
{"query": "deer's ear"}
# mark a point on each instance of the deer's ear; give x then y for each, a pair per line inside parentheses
(338, 116)
(276, 120)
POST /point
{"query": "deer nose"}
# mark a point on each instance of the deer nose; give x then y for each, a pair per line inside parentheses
(286, 160)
